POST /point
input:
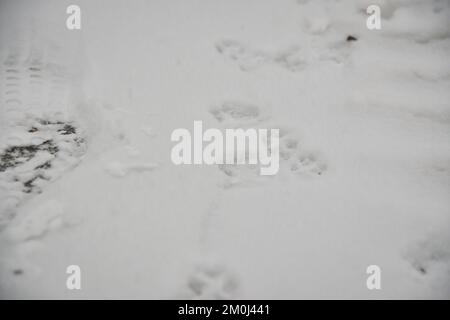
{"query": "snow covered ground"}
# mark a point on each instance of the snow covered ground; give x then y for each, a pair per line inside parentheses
(86, 176)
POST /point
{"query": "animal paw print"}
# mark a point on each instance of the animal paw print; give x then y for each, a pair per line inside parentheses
(243, 174)
(292, 155)
(297, 160)
(236, 113)
(431, 255)
(294, 58)
(212, 282)
(246, 59)
(307, 164)
(239, 115)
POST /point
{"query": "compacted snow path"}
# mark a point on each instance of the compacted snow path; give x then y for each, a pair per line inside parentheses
(86, 177)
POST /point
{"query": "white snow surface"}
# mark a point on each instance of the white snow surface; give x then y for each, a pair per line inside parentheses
(365, 160)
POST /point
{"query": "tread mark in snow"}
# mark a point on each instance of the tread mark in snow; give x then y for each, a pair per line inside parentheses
(40, 142)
